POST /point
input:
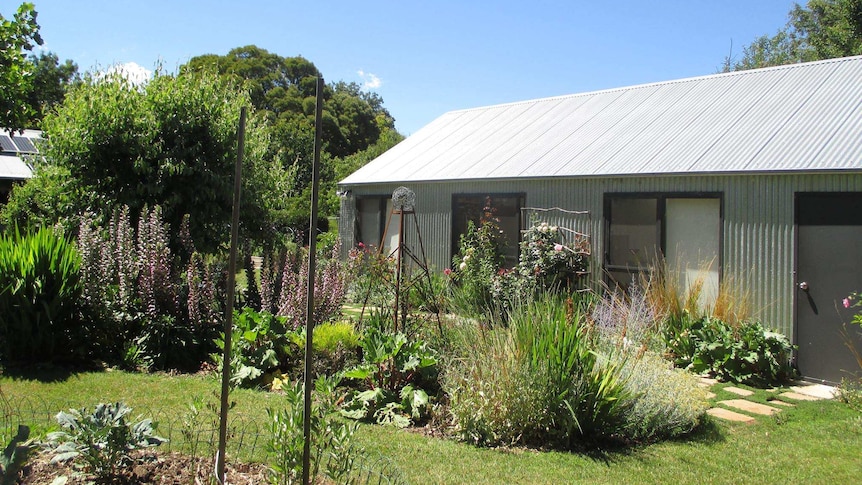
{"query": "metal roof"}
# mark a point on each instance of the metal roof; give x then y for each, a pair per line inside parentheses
(799, 117)
(14, 151)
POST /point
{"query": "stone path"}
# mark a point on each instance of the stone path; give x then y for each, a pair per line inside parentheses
(745, 411)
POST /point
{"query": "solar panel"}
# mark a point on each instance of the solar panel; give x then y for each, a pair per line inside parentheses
(7, 145)
(25, 145)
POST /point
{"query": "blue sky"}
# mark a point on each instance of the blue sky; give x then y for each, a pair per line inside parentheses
(425, 57)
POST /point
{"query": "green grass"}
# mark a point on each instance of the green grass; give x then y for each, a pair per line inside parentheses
(813, 442)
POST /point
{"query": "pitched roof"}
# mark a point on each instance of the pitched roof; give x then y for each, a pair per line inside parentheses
(800, 117)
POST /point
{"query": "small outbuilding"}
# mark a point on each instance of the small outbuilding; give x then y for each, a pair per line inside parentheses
(751, 177)
(17, 150)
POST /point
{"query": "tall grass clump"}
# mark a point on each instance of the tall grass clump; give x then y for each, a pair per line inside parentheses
(39, 291)
(537, 381)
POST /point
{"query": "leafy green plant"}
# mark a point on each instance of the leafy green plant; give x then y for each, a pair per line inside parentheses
(39, 290)
(392, 372)
(103, 438)
(538, 380)
(332, 453)
(479, 258)
(748, 354)
(259, 343)
(15, 455)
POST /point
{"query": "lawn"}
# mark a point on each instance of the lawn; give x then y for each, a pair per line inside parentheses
(813, 442)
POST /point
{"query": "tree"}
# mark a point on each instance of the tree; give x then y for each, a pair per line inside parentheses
(51, 80)
(170, 143)
(822, 29)
(284, 90)
(17, 36)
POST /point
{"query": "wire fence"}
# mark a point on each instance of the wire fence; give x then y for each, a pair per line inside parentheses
(194, 434)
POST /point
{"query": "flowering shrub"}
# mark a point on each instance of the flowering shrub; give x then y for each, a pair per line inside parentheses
(284, 286)
(476, 265)
(547, 261)
(160, 310)
(371, 275)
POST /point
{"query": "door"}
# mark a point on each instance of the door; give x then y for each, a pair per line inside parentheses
(828, 269)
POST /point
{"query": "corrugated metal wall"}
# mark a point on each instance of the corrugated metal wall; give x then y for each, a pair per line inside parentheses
(758, 241)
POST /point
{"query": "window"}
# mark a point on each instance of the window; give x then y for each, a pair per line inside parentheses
(685, 229)
(372, 216)
(504, 208)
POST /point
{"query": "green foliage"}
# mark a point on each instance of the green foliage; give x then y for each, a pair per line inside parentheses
(51, 80)
(667, 402)
(259, 342)
(15, 456)
(170, 143)
(39, 292)
(393, 371)
(747, 354)
(476, 265)
(103, 438)
(329, 337)
(333, 455)
(536, 381)
(17, 36)
(283, 90)
(821, 29)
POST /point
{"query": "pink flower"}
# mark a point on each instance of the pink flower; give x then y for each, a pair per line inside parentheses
(447, 272)
(361, 245)
(558, 247)
(846, 302)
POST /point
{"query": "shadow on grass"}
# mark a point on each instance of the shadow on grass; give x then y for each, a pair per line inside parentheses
(46, 373)
(607, 453)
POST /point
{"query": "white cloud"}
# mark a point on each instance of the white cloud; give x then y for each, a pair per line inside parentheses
(132, 71)
(369, 81)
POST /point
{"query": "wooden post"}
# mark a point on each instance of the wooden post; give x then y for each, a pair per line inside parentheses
(309, 304)
(231, 288)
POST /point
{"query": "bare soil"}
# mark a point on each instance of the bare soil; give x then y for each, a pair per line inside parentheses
(149, 468)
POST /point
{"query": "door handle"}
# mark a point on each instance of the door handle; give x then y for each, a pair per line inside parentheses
(803, 286)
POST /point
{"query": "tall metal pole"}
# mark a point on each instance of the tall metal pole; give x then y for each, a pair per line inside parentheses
(231, 288)
(309, 304)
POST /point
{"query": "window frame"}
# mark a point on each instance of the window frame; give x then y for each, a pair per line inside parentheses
(521, 199)
(661, 226)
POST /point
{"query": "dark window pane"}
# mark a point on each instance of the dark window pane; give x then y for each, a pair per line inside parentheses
(633, 239)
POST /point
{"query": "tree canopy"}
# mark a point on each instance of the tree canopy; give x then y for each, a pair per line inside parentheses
(283, 90)
(170, 143)
(17, 37)
(822, 29)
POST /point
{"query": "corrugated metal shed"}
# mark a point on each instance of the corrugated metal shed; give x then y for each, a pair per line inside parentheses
(787, 119)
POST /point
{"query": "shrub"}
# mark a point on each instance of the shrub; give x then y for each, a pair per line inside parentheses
(332, 453)
(103, 438)
(162, 310)
(395, 373)
(666, 402)
(747, 354)
(538, 381)
(259, 342)
(284, 286)
(478, 260)
(39, 292)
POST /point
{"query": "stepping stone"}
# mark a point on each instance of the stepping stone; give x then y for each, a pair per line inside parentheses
(819, 391)
(738, 391)
(729, 415)
(710, 395)
(751, 407)
(708, 381)
(781, 403)
(798, 397)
